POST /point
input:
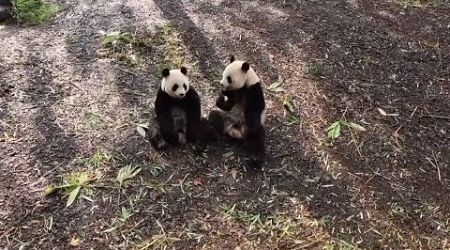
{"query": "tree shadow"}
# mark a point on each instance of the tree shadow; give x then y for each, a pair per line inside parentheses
(325, 203)
(58, 147)
(364, 66)
(201, 48)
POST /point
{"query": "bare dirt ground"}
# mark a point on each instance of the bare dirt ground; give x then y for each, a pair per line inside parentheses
(65, 108)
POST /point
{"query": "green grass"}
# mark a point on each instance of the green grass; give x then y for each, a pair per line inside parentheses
(33, 12)
(100, 159)
(312, 69)
(251, 220)
(174, 52)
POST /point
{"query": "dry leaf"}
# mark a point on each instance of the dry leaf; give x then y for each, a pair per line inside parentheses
(141, 131)
(198, 181)
(382, 112)
(74, 242)
(73, 195)
(357, 127)
(234, 173)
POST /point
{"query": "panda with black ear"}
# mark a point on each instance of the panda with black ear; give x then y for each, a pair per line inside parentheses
(178, 112)
(243, 108)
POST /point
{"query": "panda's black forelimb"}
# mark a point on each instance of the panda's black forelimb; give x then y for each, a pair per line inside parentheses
(163, 105)
(225, 105)
(192, 107)
(254, 107)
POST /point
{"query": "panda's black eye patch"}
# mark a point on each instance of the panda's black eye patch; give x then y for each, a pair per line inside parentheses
(185, 86)
(175, 87)
(229, 79)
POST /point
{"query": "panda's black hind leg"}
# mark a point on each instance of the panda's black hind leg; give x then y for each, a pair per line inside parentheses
(255, 145)
(159, 142)
(154, 135)
(217, 120)
(203, 133)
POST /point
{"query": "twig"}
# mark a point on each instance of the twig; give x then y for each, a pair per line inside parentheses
(436, 165)
(412, 114)
(6, 124)
(345, 112)
(356, 145)
(438, 117)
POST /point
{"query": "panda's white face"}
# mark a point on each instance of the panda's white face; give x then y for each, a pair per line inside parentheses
(237, 75)
(175, 83)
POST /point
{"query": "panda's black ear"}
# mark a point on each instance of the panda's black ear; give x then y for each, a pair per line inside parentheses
(165, 72)
(232, 59)
(245, 67)
(183, 70)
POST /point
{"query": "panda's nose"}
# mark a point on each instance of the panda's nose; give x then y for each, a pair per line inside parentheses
(181, 95)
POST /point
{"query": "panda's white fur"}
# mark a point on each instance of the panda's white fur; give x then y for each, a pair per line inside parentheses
(239, 77)
(175, 78)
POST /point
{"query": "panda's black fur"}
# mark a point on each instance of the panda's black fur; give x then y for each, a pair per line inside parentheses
(178, 120)
(243, 111)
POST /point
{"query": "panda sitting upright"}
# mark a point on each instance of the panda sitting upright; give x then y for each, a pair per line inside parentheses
(243, 109)
(178, 112)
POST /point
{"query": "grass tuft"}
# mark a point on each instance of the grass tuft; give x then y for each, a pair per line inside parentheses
(174, 52)
(33, 12)
(423, 3)
(75, 185)
(312, 69)
(125, 46)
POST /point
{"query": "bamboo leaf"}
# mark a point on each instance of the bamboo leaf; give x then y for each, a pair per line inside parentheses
(334, 131)
(141, 131)
(357, 127)
(73, 195)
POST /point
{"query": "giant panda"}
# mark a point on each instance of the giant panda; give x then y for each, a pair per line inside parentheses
(178, 112)
(243, 109)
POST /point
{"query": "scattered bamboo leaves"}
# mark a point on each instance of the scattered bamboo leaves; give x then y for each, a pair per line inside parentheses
(249, 219)
(124, 46)
(74, 185)
(276, 86)
(288, 104)
(160, 241)
(291, 109)
(99, 159)
(293, 120)
(142, 129)
(125, 214)
(126, 173)
(334, 130)
(116, 39)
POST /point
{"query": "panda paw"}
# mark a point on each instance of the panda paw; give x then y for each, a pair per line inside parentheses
(182, 138)
(235, 133)
(159, 143)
